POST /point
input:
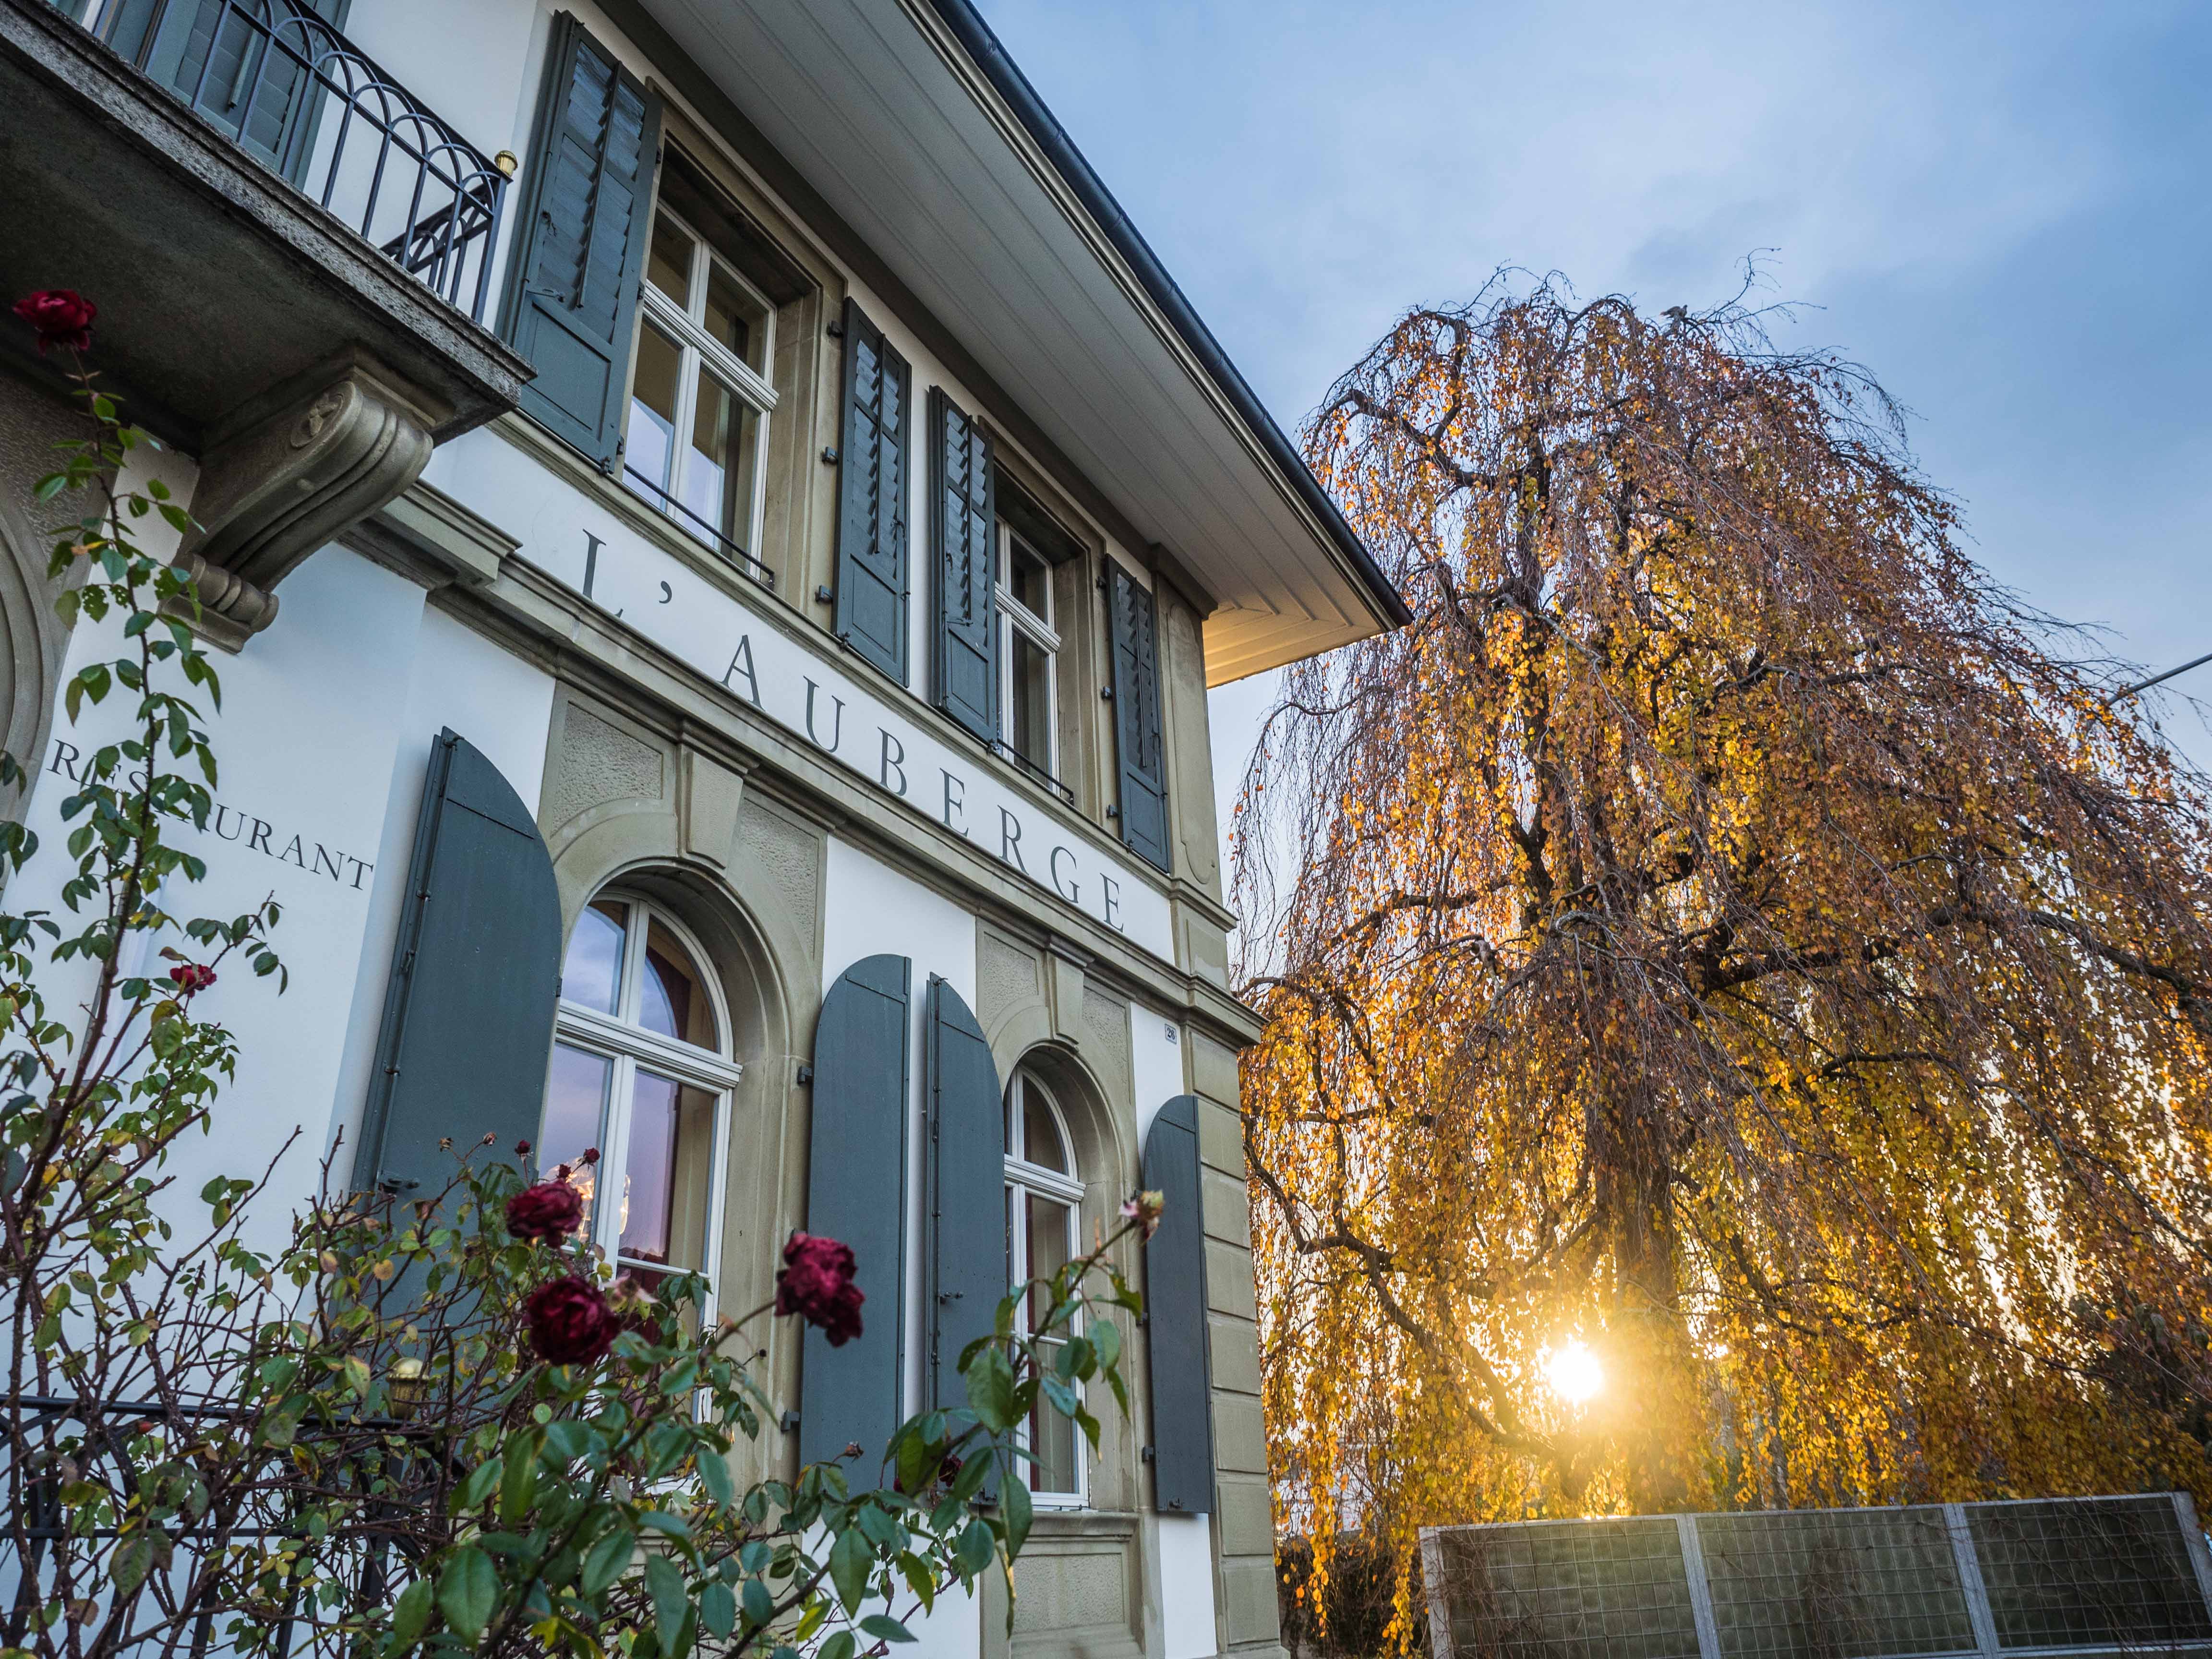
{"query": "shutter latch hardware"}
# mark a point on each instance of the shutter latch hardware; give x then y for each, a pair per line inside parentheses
(1113, 811)
(950, 1296)
(822, 595)
(394, 1186)
(836, 330)
(789, 1422)
(805, 1075)
(1151, 1454)
(828, 454)
(1105, 694)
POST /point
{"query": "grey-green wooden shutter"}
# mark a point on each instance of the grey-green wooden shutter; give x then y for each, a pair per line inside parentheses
(585, 218)
(468, 1014)
(1136, 649)
(1175, 1316)
(872, 478)
(856, 1193)
(962, 524)
(967, 1189)
(218, 61)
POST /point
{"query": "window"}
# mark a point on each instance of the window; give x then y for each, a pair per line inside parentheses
(1044, 1208)
(1028, 653)
(640, 1070)
(700, 400)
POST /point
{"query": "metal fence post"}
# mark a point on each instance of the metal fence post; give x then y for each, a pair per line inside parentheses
(1969, 1580)
(1701, 1590)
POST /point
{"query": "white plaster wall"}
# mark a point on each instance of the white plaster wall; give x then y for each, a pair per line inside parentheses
(304, 749)
(501, 704)
(1186, 1581)
(1155, 1063)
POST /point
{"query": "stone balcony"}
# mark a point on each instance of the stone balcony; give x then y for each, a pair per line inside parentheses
(291, 256)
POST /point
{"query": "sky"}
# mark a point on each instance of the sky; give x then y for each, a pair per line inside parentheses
(2002, 209)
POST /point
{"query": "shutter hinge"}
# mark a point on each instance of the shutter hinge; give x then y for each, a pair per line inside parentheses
(830, 454)
(1105, 694)
(1113, 811)
(1151, 1454)
(835, 331)
(805, 1075)
(789, 1422)
(822, 595)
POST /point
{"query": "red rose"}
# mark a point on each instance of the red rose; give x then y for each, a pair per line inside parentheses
(62, 316)
(548, 1212)
(192, 976)
(816, 1283)
(570, 1323)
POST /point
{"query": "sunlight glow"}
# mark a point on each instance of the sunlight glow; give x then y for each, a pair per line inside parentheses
(1573, 1371)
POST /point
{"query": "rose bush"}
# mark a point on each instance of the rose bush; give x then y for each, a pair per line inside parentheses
(548, 1212)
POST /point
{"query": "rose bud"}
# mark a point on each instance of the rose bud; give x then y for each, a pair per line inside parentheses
(816, 1283)
(548, 1212)
(570, 1323)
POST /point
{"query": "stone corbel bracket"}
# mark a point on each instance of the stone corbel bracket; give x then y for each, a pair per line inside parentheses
(289, 479)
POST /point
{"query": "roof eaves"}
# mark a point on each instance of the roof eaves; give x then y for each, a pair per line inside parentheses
(975, 38)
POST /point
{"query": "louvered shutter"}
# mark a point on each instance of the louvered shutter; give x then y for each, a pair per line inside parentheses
(1144, 805)
(967, 1189)
(1175, 1316)
(856, 1193)
(468, 1015)
(872, 535)
(962, 527)
(587, 211)
(223, 65)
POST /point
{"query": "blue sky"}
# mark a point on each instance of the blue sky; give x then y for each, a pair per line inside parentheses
(2000, 210)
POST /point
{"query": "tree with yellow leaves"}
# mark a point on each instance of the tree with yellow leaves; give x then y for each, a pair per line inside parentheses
(1738, 996)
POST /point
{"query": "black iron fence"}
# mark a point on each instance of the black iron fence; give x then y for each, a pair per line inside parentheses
(279, 80)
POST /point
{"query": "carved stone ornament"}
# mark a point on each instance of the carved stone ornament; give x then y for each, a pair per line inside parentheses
(285, 483)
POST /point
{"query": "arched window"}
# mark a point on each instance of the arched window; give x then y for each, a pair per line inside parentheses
(1044, 1210)
(642, 1071)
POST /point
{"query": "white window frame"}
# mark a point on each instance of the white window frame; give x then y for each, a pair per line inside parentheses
(618, 1037)
(1014, 615)
(1025, 1177)
(698, 351)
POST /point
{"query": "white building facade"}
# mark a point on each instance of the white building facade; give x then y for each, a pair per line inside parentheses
(722, 533)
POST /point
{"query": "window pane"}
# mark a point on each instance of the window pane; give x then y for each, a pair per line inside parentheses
(575, 1114)
(666, 1188)
(668, 267)
(672, 999)
(1029, 577)
(1052, 1440)
(1040, 1131)
(1049, 1222)
(591, 973)
(650, 449)
(718, 476)
(1028, 718)
(736, 319)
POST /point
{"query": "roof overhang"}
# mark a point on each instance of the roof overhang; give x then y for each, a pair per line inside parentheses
(907, 119)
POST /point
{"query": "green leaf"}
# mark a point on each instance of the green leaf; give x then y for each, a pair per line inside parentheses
(976, 1545)
(884, 1628)
(718, 1610)
(468, 1591)
(410, 1615)
(518, 1484)
(760, 1606)
(714, 1475)
(664, 1581)
(1014, 1497)
(133, 1560)
(839, 1646)
(607, 1560)
(991, 1390)
(850, 1563)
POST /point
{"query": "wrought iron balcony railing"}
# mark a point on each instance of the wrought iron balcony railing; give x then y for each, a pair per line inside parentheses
(284, 85)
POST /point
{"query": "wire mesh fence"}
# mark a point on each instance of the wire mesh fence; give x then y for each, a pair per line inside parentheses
(2088, 1575)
